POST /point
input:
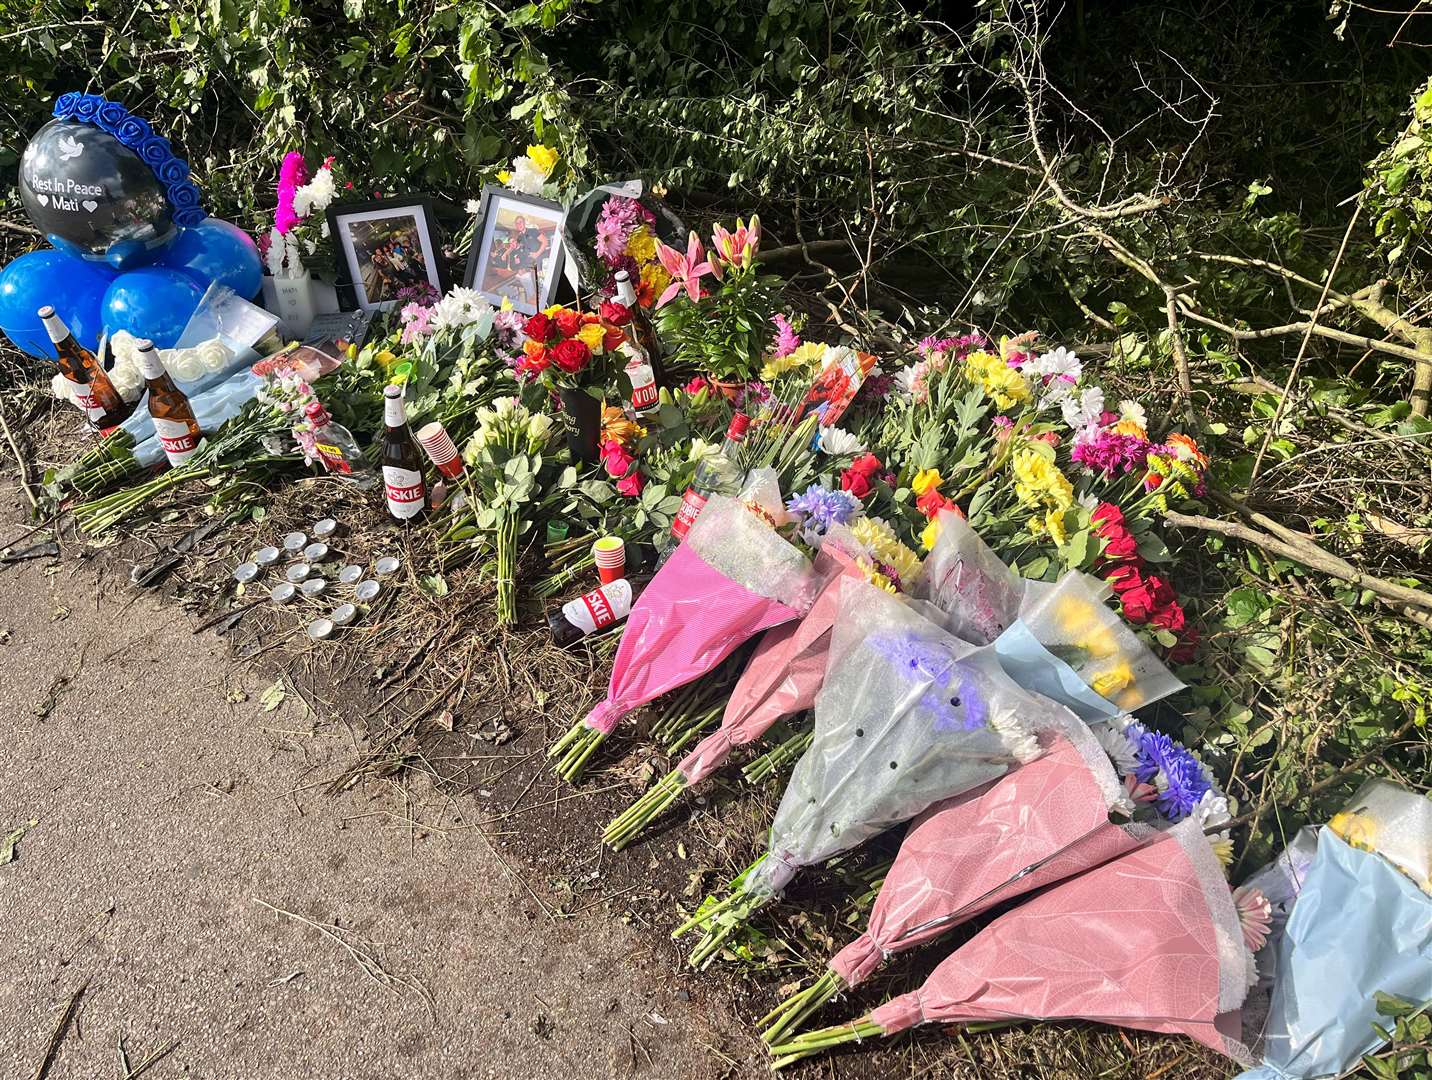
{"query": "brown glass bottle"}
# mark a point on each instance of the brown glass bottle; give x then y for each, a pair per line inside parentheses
(642, 329)
(94, 393)
(402, 462)
(173, 416)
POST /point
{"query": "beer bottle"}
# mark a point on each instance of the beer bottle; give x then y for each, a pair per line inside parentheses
(642, 329)
(93, 391)
(402, 463)
(590, 612)
(173, 416)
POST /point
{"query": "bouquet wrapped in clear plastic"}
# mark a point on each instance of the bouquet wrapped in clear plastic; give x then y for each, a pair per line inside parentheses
(785, 672)
(1150, 940)
(908, 715)
(1093, 796)
(1352, 918)
(732, 577)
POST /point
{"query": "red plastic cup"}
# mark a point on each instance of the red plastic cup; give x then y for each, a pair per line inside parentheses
(609, 553)
(438, 443)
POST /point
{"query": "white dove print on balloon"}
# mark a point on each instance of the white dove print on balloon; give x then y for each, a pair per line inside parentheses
(70, 147)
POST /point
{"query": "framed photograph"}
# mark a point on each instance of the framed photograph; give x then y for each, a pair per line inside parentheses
(384, 247)
(517, 249)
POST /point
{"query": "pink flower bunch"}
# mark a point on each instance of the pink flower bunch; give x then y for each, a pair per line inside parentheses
(735, 249)
(620, 217)
(619, 465)
(417, 322)
(787, 340)
(292, 175)
(960, 346)
(1108, 452)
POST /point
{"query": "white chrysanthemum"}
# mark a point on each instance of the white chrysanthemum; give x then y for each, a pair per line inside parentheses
(1211, 809)
(837, 442)
(292, 257)
(1082, 411)
(905, 381)
(316, 194)
(1055, 393)
(1132, 410)
(1116, 744)
(273, 257)
(1060, 364)
(473, 206)
(526, 177)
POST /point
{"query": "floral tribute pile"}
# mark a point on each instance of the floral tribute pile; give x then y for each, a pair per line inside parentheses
(946, 553)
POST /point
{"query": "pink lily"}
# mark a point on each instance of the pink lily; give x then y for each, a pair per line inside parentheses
(686, 270)
(738, 248)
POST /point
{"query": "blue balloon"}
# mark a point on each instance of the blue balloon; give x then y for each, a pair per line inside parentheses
(74, 287)
(152, 302)
(216, 250)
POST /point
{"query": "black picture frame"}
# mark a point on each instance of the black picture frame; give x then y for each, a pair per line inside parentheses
(355, 282)
(479, 275)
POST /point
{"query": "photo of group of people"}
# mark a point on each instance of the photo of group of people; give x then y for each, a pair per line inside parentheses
(386, 249)
(388, 246)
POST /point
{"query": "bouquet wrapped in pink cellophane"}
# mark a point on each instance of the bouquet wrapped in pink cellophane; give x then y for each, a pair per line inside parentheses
(732, 577)
(977, 596)
(1046, 820)
(1150, 940)
(782, 677)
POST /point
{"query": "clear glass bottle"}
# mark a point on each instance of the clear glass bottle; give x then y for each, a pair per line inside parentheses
(720, 474)
(335, 445)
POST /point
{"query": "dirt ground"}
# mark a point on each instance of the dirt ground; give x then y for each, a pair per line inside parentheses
(185, 868)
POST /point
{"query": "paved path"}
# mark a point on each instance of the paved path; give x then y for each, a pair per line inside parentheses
(168, 803)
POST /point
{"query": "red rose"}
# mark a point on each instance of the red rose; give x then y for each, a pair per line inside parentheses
(1161, 591)
(932, 502)
(866, 465)
(612, 337)
(615, 313)
(568, 322)
(571, 355)
(857, 483)
(1125, 576)
(1120, 547)
(538, 327)
(535, 362)
(631, 486)
(1168, 617)
(1108, 519)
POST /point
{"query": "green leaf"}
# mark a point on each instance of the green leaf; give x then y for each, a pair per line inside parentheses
(10, 840)
(273, 697)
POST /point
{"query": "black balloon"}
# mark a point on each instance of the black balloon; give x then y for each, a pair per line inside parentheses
(92, 196)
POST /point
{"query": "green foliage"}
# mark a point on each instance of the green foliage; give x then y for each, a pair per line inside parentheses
(1409, 1055)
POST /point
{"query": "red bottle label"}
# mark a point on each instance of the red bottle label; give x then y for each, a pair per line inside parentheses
(404, 488)
(178, 441)
(332, 458)
(599, 608)
(692, 503)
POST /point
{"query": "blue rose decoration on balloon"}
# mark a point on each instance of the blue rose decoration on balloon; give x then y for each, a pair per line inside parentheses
(132, 131)
(87, 107)
(155, 151)
(174, 171)
(111, 114)
(137, 134)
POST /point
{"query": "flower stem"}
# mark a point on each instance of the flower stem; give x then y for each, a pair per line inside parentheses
(627, 825)
(574, 748)
(818, 1042)
(791, 1013)
(720, 921)
(777, 758)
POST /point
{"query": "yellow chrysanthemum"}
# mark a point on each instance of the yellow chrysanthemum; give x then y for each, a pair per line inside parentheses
(591, 336)
(871, 533)
(1359, 830)
(504, 175)
(1005, 386)
(931, 533)
(904, 561)
(1131, 428)
(874, 576)
(777, 366)
(654, 276)
(1111, 680)
(926, 479)
(1054, 525)
(1222, 849)
(1038, 483)
(543, 158)
(641, 244)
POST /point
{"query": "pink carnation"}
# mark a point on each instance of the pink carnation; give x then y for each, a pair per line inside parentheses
(291, 176)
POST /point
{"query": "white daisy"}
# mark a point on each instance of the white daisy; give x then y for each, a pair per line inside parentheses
(1082, 411)
(837, 442)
